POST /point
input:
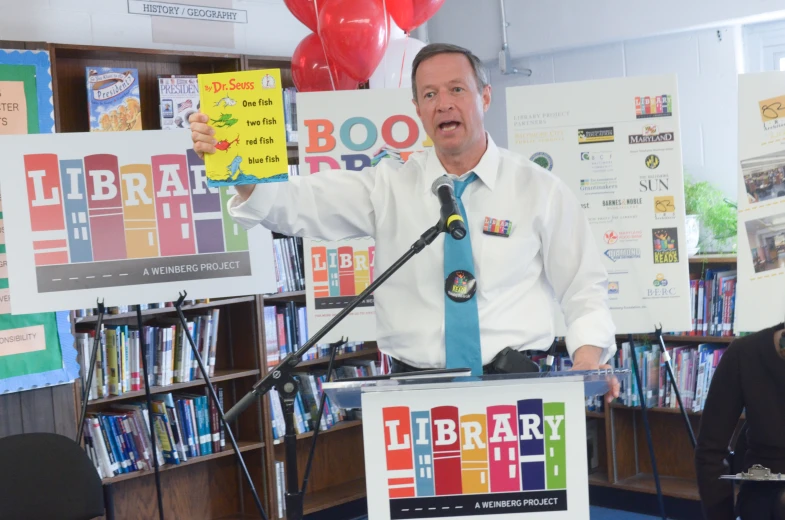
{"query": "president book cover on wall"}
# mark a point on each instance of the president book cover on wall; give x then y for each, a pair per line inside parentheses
(346, 130)
(127, 217)
(616, 143)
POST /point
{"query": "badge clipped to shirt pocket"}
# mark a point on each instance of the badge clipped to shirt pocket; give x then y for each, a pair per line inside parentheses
(497, 227)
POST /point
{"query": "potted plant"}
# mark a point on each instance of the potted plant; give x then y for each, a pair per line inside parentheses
(714, 215)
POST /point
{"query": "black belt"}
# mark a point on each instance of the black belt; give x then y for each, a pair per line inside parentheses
(508, 361)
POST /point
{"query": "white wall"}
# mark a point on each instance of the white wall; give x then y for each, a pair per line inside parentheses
(271, 28)
(546, 26)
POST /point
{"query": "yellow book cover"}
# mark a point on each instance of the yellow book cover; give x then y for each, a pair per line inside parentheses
(246, 110)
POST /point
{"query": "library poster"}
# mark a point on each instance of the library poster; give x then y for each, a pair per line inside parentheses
(123, 216)
(616, 143)
(761, 201)
(34, 348)
(495, 450)
(346, 130)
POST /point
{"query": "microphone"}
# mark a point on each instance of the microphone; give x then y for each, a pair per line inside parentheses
(451, 215)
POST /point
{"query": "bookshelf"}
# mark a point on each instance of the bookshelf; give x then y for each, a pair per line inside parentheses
(209, 484)
(624, 461)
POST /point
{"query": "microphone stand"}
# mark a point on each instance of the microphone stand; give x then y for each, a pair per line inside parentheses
(281, 377)
(666, 358)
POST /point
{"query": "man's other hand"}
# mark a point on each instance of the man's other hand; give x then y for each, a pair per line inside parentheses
(587, 357)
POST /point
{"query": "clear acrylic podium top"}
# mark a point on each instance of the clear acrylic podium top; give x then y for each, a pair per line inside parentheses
(346, 393)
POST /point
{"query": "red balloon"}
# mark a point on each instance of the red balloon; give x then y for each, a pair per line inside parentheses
(310, 72)
(355, 35)
(410, 14)
(305, 11)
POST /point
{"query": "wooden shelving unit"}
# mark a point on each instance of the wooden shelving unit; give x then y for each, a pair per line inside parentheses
(624, 455)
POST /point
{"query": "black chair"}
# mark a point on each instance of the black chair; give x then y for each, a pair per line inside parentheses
(47, 476)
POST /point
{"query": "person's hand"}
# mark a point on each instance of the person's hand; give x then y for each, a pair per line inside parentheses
(587, 357)
(203, 137)
(202, 134)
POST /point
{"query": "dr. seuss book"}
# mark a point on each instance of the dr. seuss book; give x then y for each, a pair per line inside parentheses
(179, 95)
(246, 110)
(113, 99)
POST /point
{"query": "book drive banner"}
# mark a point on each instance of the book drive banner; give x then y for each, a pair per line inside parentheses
(616, 143)
(346, 130)
(761, 217)
(127, 217)
(495, 450)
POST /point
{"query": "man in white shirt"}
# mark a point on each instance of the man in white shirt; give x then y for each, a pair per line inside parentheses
(543, 251)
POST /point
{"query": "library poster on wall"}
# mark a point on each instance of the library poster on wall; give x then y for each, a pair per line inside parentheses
(350, 130)
(616, 143)
(761, 215)
(35, 348)
(122, 216)
(477, 450)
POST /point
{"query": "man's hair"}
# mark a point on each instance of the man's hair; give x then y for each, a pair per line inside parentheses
(434, 49)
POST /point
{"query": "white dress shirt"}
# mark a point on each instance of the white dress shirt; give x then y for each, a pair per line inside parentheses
(549, 253)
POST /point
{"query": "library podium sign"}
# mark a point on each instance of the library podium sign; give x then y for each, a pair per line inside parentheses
(493, 447)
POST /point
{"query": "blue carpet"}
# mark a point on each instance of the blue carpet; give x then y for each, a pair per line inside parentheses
(599, 513)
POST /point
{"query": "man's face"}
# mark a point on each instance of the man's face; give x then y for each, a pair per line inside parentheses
(449, 103)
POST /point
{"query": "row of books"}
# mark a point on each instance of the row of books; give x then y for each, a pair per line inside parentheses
(693, 369)
(288, 260)
(712, 303)
(286, 330)
(114, 101)
(186, 426)
(169, 356)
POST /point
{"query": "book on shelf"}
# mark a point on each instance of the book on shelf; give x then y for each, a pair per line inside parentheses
(187, 426)
(113, 99)
(693, 368)
(286, 330)
(179, 98)
(290, 113)
(712, 303)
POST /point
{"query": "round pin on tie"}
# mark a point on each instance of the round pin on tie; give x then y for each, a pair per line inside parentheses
(460, 286)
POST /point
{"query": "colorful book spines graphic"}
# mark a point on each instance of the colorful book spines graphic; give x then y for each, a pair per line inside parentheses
(94, 209)
(173, 205)
(423, 454)
(556, 448)
(475, 453)
(503, 449)
(206, 202)
(400, 466)
(235, 236)
(341, 271)
(320, 272)
(105, 207)
(141, 238)
(532, 445)
(446, 455)
(72, 176)
(46, 209)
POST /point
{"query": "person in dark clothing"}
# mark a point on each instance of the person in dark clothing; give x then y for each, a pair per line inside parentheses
(750, 377)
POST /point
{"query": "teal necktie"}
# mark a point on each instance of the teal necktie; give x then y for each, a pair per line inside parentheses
(461, 318)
